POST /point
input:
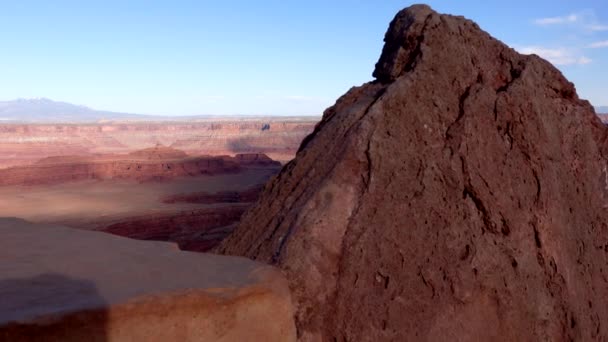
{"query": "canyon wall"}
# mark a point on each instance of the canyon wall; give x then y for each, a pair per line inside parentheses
(279, 138)
(196, 230)
(142, 166)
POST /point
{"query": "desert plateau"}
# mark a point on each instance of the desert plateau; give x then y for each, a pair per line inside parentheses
(186, 182)
(279, 138)
(460, 194)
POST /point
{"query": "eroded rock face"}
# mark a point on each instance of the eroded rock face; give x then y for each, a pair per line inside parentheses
(153, 164)
(459, 196)
(193, 230)
(61, 284)
(277, 137)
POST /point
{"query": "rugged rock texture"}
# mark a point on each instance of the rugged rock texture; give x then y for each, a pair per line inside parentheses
(277, 137)
(458, 197)
(61, 284)
(152, 164)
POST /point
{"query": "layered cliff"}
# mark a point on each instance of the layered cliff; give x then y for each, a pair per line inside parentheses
(193, 230)
(152, 164)
(277, 137)
(459, 196)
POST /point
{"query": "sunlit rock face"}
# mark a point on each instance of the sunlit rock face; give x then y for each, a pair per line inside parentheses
(459, 196)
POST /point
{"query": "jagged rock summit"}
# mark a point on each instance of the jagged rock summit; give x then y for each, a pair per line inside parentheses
(460, 196)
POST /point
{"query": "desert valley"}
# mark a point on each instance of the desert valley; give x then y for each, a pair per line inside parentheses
(187, 182)
(459, 195)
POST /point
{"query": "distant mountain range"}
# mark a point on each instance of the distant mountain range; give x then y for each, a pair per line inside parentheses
(42, 110)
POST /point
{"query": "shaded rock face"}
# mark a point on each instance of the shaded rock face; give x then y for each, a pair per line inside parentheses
(459, 196)
(195, 230)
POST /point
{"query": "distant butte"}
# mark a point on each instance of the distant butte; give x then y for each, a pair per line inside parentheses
(460, 196)
(159, 152)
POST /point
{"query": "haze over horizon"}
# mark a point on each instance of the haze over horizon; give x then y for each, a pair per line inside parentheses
(274, 58)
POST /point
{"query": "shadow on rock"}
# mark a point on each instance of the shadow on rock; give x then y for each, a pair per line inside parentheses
(51, 307)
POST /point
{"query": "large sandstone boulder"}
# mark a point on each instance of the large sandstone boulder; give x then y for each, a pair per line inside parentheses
(460, 196)
(61, 284)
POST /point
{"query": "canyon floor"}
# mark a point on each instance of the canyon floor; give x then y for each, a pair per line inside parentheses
(74, 198)
(194, 211)
(84, 202)
(93, 204)
(185, 182)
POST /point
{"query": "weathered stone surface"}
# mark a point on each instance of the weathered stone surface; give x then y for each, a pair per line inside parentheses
(61, 284)
(460, 196)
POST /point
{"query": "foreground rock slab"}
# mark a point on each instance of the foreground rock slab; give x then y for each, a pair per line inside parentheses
(61, 284)
(460, 196)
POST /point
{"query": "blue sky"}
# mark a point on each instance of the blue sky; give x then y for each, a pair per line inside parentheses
(255, 57)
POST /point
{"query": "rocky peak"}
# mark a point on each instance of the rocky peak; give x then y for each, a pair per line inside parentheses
(460, 196)
(402, 42)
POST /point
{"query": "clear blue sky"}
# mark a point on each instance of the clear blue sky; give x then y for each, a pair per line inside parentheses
(255, 57)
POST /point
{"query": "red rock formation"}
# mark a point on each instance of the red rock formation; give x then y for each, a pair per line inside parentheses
(158, 152)
(156, 164)
(277, 137)
(254, 159)
(196, 230)
(460, 196)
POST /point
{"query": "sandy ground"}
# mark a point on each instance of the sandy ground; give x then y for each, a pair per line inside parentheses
(91, 204)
